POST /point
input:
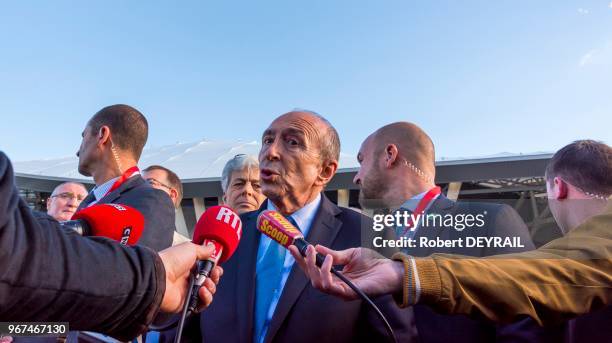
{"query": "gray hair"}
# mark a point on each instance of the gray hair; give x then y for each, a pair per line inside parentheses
(238, 162)
(330, 140)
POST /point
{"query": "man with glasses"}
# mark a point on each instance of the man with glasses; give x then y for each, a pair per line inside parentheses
(65, 199)
(167, 181)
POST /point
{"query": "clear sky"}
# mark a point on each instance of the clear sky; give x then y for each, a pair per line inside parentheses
(481, 77)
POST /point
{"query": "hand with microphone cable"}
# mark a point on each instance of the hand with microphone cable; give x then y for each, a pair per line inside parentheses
(217, 234)
(374, 274)
(121, 223)
(347, 284)
(179, 261)
(220, 228)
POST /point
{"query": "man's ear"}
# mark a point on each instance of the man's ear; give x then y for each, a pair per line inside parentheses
(104, 135)
(391, 155)
(48, 203)
(224, 199)
(328, 170)
(173, 194)
(560, 188)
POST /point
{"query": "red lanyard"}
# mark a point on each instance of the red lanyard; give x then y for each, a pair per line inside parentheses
(128, 174)
(422, 205)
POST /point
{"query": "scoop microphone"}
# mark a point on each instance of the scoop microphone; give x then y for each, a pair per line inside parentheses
(121, 223)
(280, 230)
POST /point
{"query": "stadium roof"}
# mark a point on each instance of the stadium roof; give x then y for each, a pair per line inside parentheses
(196, 160)
(199, 165)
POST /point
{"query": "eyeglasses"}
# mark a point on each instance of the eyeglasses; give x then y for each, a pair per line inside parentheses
(153, 182)
(69, 196)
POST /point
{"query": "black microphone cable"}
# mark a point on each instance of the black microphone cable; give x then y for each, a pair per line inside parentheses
(191, 301)
(302, 244)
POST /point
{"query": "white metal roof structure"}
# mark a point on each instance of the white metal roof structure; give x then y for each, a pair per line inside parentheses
(199, 165)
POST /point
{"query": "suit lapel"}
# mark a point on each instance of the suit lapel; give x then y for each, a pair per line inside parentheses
(88, 199)
(324, 229)
(132, 182)
(114, 195)
(247, 262)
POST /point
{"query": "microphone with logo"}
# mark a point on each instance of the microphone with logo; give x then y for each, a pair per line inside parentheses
(121, 223)
(220, 227)
(279, 229)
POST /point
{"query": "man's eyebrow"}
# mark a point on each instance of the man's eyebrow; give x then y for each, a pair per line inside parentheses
(268, 132)
(239, 179)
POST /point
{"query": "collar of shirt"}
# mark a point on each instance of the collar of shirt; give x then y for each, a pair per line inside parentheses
(100, 191)
(303, 218)
(412, 203)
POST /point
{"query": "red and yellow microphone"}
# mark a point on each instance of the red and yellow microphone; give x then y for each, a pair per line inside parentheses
(280, 230)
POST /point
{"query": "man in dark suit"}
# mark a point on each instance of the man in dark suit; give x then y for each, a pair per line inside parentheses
(112, 143)
(265, 298)
(397, 171)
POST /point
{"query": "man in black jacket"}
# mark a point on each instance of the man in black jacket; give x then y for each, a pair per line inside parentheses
(265, 298)
(113, 140)
(50, 274)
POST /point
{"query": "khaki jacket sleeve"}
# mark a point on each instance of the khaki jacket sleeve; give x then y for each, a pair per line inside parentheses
(569, 276)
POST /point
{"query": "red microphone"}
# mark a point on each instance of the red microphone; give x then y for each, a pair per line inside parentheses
(121, 223)
(221, 227)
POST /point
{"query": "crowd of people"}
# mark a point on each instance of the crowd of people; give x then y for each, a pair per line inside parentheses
(559, 292)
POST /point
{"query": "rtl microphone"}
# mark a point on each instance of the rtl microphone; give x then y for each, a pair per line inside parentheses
(220, 227)
(280, 230)
(121, 223)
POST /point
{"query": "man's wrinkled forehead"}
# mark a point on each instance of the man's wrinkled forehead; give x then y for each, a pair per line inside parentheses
(298, 123)
(70, 187)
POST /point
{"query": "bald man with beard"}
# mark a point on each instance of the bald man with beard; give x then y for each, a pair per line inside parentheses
(397, 172)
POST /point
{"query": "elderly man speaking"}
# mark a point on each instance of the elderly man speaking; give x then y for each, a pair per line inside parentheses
(264, 297)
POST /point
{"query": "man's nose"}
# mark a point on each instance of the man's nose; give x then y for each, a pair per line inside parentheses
(248, 189)
(357, 178)
(73, 202)
(272, 152)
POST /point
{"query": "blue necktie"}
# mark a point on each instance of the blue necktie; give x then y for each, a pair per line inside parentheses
(267, 284)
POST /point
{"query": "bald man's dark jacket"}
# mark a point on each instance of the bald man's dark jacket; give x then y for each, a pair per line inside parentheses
(303, 314)
(154, 204)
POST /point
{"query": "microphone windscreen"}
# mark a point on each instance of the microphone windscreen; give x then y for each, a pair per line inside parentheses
(117, 222)
(222, 225)
(277, 227)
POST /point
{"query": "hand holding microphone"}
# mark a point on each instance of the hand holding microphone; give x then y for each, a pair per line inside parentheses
(366, 269)
(279, 229)
(221, 228)
(179, 261)
(121, 223)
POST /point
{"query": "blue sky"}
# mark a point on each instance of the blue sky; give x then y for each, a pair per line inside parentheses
(481, 77)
